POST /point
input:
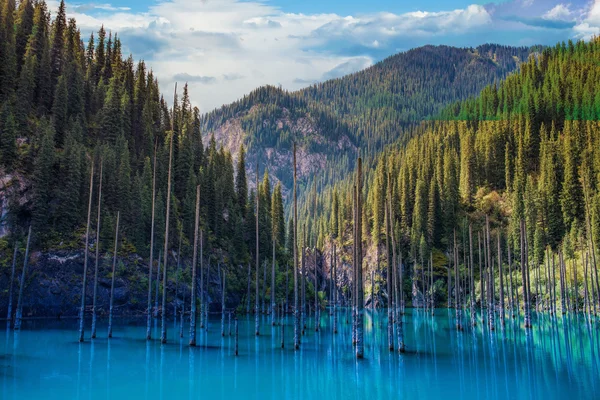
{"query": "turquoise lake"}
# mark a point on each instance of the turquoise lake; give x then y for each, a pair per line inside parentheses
(557, 359)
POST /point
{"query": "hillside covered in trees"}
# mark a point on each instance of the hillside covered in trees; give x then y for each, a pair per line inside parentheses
(525, 149)
(334, 121)
(66, 106)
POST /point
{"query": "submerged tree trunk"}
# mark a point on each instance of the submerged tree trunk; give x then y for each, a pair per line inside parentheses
(295, 246)
(303, 307)
(335, 291)
(237, 335)
(354, 264)
(97, 261)
(157, 286)
(177, 272)
(490, 269)
(256, 303)
(390, 307)
(193, 301)
(10, 286)
(360, 298)
(223, 305)
(472, 280)
(481, 275)
(510, 274)
(524, 273)
(248, 291)
(19, 314)
(317, 308)
(85, 259)
(112, 281)
(163, 331)
(501, 281)
(273, 305)
(457, 303)
(151, 259)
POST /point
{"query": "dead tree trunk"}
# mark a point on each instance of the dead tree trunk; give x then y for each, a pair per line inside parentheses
(295, 246)
(10, 286)
(112, 281)
(501, 281)
(97, 261)
(85, 259)
(358, 244)
(194, 264)
(19, 314)
(256, 300)
(163, 332)
(151, 259)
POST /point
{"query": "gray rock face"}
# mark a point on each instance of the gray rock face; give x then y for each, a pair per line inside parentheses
(53, 285)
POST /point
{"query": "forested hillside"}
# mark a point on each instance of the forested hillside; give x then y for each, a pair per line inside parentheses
(66, 106)
(527, 148)
(365, 111)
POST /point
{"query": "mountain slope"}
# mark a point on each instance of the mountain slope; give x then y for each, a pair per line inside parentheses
(366, 110)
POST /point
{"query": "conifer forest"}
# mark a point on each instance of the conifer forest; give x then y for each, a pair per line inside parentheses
(424, 227)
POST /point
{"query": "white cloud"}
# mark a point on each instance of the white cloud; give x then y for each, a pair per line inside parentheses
(560, 12)
(227, 48)
(590, 25)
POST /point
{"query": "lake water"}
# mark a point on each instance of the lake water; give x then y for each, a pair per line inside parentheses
(558, 359)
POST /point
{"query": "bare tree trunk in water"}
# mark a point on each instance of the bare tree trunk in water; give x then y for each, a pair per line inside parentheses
(528, 274)
(431, 294)
(331, 280)
(524, 275)
(157, 286)
(178, 270)
(295, 245)
(19, 314)
(223, 305)
(163, 333)
(397, 273)
(510, 274)
(237, 335)
(194, 264)
(303, 312)
(256, 300)
(481, 275)
(501, 281)
(335, 291)
(472, 281)
(207, 294)
(390, 318)
(490, 269)
(354, 265)
(86, 256)
(201, 311)
(151, 260)
(360, 298)
(273, 305)
(248, 291)
(457, 288)
(112, 281)
(97, 261)
(10, 286)
(317, 306)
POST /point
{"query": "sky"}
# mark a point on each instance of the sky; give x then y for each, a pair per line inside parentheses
(224, 49)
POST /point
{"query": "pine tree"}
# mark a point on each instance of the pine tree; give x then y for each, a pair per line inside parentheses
(59, 111)
(8, 137)
(59, 28)
(8, 62)
(71, 167)
(43, 181)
